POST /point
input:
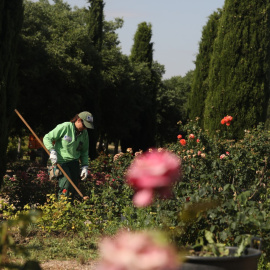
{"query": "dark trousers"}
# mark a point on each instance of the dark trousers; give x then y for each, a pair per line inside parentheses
(72, 169)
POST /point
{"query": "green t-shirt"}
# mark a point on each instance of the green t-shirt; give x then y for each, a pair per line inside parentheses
(67, 145)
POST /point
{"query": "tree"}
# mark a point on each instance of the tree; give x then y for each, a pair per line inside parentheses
(56, 61)
(96, 19)
(143, 137)
(172, 100)
(95, 29)
(200, 83)
(118, 98)
(142, 49)
(239, 69)
(11, 18)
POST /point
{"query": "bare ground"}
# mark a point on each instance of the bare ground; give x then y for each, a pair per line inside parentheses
(68, 265)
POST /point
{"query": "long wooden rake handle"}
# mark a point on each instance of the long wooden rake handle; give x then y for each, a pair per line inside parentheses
(47, 151)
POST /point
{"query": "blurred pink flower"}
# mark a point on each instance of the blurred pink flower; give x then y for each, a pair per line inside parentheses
(118, 156)
(153, 171)
(130, 150)
(143, 197)
(136, 251)
(13, 178)
(42, 176)
(191, 136)
(138, 153)
(222, 156)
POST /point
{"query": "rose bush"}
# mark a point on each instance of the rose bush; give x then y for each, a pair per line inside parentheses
(221, 191)
(227, 196)
(27, 183)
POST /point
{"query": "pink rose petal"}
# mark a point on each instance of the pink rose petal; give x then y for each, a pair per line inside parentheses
(143, 197)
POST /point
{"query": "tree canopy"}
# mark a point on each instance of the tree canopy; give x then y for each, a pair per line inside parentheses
(200, 84)
(56, 60)
(11, 18)
(239, 69)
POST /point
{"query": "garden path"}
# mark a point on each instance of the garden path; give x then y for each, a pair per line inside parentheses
(68, 265)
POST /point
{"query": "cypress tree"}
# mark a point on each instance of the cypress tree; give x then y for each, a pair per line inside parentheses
(142, 49)
(142, 54)
(200, 85)
(11, 16)
(239, 70)
(96, 18)
(95, 25)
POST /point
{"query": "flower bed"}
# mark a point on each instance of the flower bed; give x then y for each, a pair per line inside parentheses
(224, 189)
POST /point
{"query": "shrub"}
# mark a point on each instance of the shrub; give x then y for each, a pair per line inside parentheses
(28, 184)
(224, 189)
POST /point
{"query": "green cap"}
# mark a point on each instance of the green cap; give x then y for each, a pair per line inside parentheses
(87, 119)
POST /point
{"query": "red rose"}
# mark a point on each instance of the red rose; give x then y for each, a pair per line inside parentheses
(191, 136)
(183, 142)
(226, 120)
(179, 136)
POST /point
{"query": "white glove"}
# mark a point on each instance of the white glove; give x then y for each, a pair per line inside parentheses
(84, 172)
(53, 157)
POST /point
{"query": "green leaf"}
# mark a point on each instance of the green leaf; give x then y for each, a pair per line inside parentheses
(226, 187)
(223, 235)
(209, 237)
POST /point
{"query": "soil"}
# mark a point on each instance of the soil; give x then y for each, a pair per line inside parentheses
(68, 265)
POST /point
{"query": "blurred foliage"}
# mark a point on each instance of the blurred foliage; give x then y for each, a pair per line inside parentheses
(17, 225)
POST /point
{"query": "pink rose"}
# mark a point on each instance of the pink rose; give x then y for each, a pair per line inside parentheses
(153, 171)
(222, 156)
(136, 251)
(143, 197)
(191, 136)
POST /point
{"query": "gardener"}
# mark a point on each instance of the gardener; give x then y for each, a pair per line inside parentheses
(68, 145)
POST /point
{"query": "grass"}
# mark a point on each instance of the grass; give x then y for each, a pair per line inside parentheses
(44, 247)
